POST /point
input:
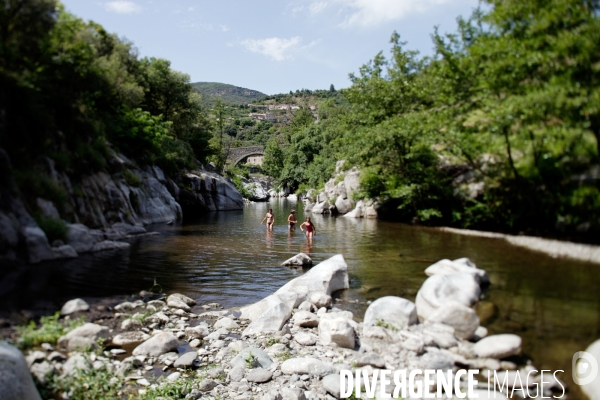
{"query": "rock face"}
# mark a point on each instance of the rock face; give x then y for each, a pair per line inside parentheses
(15, 380)
(102, 208)
(208, 191)
(257, 192)
(392, 311)
(440, 289)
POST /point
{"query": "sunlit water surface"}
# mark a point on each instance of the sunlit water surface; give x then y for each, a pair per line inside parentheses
(230, 258)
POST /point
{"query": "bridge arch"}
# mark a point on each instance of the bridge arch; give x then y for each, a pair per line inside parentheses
(237, 154)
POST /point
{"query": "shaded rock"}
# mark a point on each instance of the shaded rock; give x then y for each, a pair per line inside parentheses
(186, 360)
(391, 311)
(82, 344)
(357, 212)
(207, 385)
(80, 238)
(305, 319)
(178, 303)
(299, 260)
(498, 346)
(307, 306)
(480, 333)
(270, 321)
(34, 357)
(440, 289)
(321, 300)
(331, 383)
(189, 301)
(463, 319)
(303, 366)
(157, 345)
(259, 375)
(369, 358)
(56, 356)
(107, 245)
(73, 306)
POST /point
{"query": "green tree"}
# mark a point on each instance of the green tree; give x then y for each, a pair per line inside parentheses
(273, 161)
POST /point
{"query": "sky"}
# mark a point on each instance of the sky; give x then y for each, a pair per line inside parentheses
(272, 46)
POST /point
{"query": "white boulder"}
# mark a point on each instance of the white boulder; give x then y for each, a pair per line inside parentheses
(73, 306)
(463, 319)
(498, 346)
(440, 289)
(391, 311)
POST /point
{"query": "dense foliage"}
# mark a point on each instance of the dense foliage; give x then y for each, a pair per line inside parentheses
(500, 129)
(71, 91)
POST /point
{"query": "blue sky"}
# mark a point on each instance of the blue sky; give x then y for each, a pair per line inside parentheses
(272, 46)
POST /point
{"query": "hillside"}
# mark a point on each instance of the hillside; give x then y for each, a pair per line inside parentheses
(228, 93)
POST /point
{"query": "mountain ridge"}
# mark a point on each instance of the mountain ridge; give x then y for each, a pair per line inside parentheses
(227, 92)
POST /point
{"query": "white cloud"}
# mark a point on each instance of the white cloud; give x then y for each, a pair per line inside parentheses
(224, 28)
(122, 7)
(278, 49)
(367, 13)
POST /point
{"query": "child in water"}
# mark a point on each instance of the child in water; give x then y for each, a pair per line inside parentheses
(270, 217)
(310, 228)
(292, 220)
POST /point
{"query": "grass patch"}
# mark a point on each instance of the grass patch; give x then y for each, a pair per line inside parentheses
(131, 179)
(385, 325)
(272, 340)
(54, 228)
(49, 330)
(286, 355)
(93, 384)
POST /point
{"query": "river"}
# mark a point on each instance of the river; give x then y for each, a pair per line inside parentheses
(230, 258)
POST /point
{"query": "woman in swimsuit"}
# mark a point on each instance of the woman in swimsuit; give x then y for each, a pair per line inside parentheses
(270, 217)
(310, 228)
(292, 220)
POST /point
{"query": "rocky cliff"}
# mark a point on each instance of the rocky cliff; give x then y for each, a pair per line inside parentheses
(99, 211)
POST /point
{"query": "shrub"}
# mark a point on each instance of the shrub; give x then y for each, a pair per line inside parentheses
(49, 330)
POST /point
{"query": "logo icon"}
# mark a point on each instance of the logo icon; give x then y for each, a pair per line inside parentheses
(585, 368)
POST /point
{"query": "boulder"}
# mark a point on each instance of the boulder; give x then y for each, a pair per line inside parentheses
(38, 248)
(226, 323)
(82, 344)
(305, 319)
(271, 320)
(498, 346)
(370, 358)
(87, 330)
(336, 330)
(305, 338)
(252, 356)
(79, 237)
(447, 267)
(463, 319)
(289, 393)
(592, 389)
(108, 245)
(73, 306)
(42, 370)
(186, 360)
(440, 289)
(207, 385)
(126, 338)
(197, 332)
(237, 373)
(321, 300)
(320, 207)
(306, 365)
(259, 375)
(15, 380)
(256, 191)
(298, 260)
(343, 205)
(391, 312)
(331, 384)
(163, 342)
(358, 210)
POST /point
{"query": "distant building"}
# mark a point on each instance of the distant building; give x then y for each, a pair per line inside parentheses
(256, 160)
(313, 107)
(263, 117)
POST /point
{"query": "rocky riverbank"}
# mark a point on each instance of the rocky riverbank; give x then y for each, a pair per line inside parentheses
(290, 345)
(101, 211)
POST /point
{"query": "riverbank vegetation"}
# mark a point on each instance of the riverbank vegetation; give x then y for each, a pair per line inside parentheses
(498, 130)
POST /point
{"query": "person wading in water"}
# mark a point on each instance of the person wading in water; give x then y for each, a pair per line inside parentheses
(310, 228)
(270, 217)
(292, 220)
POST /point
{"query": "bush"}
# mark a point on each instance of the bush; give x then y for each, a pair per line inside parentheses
(54, 228)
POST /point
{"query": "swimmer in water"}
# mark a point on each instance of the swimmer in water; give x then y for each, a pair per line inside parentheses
(270, 217)
(310, 228)
(292, 220)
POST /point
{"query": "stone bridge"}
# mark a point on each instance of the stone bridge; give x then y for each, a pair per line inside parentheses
(237, 154)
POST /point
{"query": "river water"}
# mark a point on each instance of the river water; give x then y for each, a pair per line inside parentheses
(230, 258)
